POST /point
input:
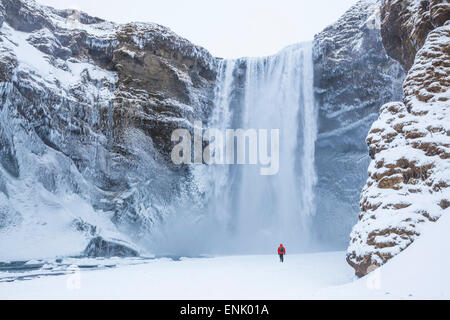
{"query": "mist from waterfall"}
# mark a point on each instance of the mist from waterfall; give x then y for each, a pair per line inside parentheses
(276, 92)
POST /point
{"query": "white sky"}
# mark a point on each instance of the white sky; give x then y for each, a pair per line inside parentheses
(227, 28)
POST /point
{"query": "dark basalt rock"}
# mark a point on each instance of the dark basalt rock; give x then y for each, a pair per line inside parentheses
(2, 16)
(99, 247)
(7, 155)
(3, 188)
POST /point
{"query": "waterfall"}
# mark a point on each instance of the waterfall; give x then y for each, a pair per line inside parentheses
(273, 92)
(309, 121)
(222, 119)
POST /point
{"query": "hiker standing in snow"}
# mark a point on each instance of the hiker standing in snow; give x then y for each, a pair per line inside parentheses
(281, 252)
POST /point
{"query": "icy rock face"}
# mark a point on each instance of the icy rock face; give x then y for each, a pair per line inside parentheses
(406, 24)
(86, 114)
(409, 174)
(353, 77)
(2, 17)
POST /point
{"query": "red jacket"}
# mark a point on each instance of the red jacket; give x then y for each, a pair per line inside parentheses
(281, 250)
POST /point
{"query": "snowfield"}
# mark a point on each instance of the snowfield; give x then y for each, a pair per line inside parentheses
(420, 272)
(233, 277)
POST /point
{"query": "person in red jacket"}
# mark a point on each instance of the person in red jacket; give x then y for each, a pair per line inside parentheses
(281, 252)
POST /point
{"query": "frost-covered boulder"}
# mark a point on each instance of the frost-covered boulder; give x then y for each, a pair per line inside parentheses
(409, 176)
(100, 247)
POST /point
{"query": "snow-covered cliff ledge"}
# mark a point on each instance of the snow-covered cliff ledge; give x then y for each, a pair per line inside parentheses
(409, 176)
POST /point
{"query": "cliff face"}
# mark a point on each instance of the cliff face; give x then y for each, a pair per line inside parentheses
(87, 110)
(353, 77)
(88, 107)
(409, 144)
(406, 24)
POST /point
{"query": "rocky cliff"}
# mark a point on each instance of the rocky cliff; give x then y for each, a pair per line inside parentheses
(353, 77)
(406, 24)
(409, 144)
(87, 108)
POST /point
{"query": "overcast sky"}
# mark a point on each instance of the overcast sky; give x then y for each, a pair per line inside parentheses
(227, 28)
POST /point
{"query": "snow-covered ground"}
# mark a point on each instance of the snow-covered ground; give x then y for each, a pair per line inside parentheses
(420, 272)
(231, 277)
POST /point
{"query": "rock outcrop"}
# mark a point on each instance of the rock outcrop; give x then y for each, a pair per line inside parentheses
(87, 110)
(100, 247)
(409, 176)
(353, 78)
(406, 24)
